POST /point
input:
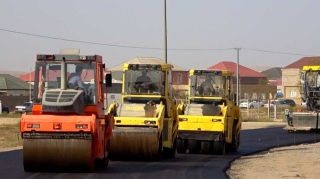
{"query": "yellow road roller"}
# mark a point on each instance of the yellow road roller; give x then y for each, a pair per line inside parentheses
(146, 122)
(209, 120)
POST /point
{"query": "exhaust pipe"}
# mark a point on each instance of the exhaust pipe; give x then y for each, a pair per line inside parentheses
(63, 74)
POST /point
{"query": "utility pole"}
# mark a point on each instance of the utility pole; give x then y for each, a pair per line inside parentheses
(238, 85)
(30, 85)
(165, 31)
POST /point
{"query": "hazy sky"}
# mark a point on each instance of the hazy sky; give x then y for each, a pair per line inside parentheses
(284, 26)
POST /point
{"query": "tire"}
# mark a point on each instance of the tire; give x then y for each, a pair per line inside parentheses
(181, 146)
(171, 153)
(193, 146)
(206, 146)
(233, 147)
(160, 150)
(104, 162)
(219, 147)
(235, 143)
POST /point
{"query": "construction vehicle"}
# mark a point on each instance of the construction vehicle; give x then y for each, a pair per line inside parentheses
(146, 122)
(209, 120)
(113, 93)
(308, 119)
(67, 129)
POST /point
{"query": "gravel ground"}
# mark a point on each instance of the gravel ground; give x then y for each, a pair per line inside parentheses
(301, 161)
(10, 148)
(5, 120)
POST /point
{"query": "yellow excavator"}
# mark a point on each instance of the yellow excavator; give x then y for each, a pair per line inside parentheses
(309, 118)
(146, 122)
(210, 121)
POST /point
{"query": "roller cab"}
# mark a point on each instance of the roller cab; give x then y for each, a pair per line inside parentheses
(67, 130)
(209, 122)
(146, 122)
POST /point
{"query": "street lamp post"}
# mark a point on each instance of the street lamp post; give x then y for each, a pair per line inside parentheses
(165, 31)
(238, 85)
(30, 85)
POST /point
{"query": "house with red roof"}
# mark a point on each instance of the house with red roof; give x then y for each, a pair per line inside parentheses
(246, 75)
(253, 84)
(291, 78)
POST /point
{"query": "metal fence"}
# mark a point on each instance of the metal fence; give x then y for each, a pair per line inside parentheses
(265, 111)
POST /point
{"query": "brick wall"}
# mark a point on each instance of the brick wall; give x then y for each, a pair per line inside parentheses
(248, 80)
(292, 92)
(19, 92)
(12, 101)
(180, 77)
(291, 77)
(291, 84)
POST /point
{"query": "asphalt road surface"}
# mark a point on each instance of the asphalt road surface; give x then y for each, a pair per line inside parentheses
(182, 166)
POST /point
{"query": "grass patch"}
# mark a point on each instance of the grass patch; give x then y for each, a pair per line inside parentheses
(10, 135)
(10, 115)
(279, 109)
(261, 119)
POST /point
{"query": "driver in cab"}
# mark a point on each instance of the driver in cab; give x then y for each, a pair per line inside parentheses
(143, 77)
(144, 83)
(206, 87)
(74, 80)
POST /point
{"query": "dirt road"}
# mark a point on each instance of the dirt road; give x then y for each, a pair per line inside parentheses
(300, 161)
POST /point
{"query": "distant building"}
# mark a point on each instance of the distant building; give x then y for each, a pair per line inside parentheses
(273, 74)
(252, 83)
(12, 86)
(246, 75)
(291, 79)
(275, 78)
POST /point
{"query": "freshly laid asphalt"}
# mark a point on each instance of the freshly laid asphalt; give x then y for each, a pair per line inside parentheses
(182, 166)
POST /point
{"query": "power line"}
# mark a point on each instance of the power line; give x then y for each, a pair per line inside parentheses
(111, 45)
(284, 53)
(79, 41)
(147, 48)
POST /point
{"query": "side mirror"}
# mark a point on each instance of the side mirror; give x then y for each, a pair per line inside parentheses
(108, 79)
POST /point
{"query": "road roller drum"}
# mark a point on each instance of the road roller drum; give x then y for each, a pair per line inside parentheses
(132, 143)
(51, 155)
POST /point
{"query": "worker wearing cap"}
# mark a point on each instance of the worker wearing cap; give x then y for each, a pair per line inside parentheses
(75, 78)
